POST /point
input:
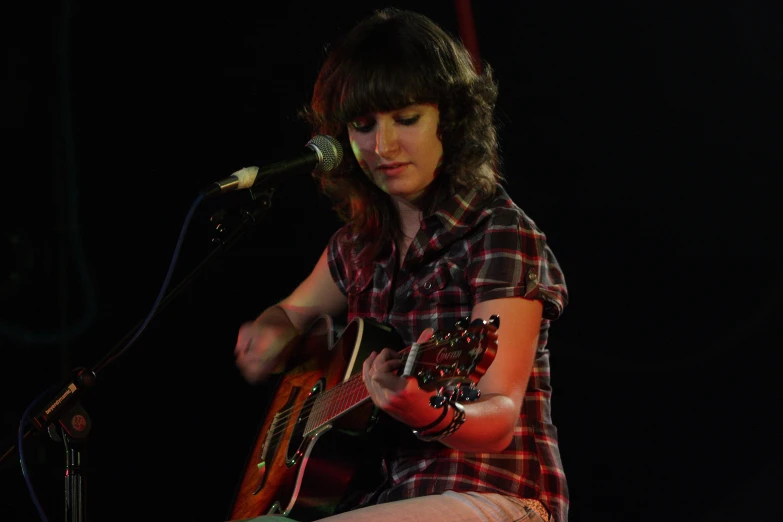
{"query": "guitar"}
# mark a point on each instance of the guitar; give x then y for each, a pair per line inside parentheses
(310, 442)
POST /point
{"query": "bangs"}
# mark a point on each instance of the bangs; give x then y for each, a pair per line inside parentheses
(381, 90)
(384, 75)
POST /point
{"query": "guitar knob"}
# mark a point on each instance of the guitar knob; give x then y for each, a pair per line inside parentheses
(495, 321)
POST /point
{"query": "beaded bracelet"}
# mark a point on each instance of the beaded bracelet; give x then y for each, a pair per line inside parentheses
(456, 422)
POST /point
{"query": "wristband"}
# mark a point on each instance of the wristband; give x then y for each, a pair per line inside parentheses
(433, 423)
(456, 422)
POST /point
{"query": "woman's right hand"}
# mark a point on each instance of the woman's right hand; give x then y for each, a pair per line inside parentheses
(259, 346)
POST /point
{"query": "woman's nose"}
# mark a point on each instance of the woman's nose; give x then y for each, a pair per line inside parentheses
(385, 139)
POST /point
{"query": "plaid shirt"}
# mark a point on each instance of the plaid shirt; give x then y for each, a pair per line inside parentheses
(466, 252)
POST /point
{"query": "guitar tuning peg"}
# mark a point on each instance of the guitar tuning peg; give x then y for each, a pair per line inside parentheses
(478, 322)
(469, 393)
(437, 401)
(463, 323)
(494, 320)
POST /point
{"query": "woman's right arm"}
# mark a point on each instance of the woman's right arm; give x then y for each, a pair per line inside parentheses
(263, 345)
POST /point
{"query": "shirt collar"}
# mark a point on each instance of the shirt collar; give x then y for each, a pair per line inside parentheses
(460, 212)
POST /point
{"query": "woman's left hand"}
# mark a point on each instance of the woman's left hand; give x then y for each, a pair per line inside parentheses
(398, 396)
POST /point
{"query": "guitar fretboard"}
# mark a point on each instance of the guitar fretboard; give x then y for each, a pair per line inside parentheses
(334, 402)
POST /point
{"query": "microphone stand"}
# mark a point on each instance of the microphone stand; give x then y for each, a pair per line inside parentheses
(64, 418)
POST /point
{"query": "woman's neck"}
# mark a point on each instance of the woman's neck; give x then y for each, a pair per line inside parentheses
(410, 217)
(410, 221)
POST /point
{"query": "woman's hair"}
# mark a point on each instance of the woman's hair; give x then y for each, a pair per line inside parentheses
(388, 61)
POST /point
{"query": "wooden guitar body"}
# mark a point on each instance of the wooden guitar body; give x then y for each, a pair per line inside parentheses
(297, 474)
(316, 433)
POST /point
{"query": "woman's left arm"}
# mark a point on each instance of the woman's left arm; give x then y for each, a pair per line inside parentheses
(490, 420)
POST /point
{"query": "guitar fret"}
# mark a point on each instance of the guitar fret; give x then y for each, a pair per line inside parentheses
(342, 401)
(320, 415)
(332, 403)
(312, 417)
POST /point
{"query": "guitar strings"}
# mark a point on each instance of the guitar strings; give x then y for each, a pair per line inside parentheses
(327, 395)
(347, 388)
(306, 411)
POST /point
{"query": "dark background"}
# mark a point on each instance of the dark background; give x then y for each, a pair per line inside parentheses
(644, 139)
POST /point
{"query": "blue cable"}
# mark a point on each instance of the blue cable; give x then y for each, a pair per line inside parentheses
(161, 294)
(166, 281)
(22, 463)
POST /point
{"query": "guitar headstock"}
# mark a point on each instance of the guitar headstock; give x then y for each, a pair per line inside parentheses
(453, 357)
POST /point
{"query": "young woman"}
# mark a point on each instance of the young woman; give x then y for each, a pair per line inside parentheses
(430, 237)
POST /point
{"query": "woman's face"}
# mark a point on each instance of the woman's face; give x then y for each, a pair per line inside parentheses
(399, 150)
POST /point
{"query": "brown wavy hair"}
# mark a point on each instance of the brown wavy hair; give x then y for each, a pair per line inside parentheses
(390, 60)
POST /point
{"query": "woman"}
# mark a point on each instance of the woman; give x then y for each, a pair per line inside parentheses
(430, 237)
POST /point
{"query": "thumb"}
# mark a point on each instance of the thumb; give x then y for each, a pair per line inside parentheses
(425, 335)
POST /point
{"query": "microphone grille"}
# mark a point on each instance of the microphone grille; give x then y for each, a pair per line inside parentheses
(330, 150)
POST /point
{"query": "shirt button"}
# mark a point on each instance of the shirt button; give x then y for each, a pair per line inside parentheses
(427, 285)
(532, 276)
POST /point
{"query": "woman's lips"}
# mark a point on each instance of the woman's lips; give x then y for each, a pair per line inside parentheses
(392, 169)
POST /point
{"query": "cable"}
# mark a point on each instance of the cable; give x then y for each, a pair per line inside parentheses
(22, 463)
(110, 358)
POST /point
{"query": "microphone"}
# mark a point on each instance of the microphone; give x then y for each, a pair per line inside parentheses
(322, 153)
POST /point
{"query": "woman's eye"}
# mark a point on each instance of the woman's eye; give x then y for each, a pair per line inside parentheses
(362, 125)
(408, 121)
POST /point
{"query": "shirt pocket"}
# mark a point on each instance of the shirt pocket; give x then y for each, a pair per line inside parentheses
(443, 286)
(434, 282)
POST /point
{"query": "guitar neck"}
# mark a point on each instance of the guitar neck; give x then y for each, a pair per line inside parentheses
(335, 402)
(447, 359)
